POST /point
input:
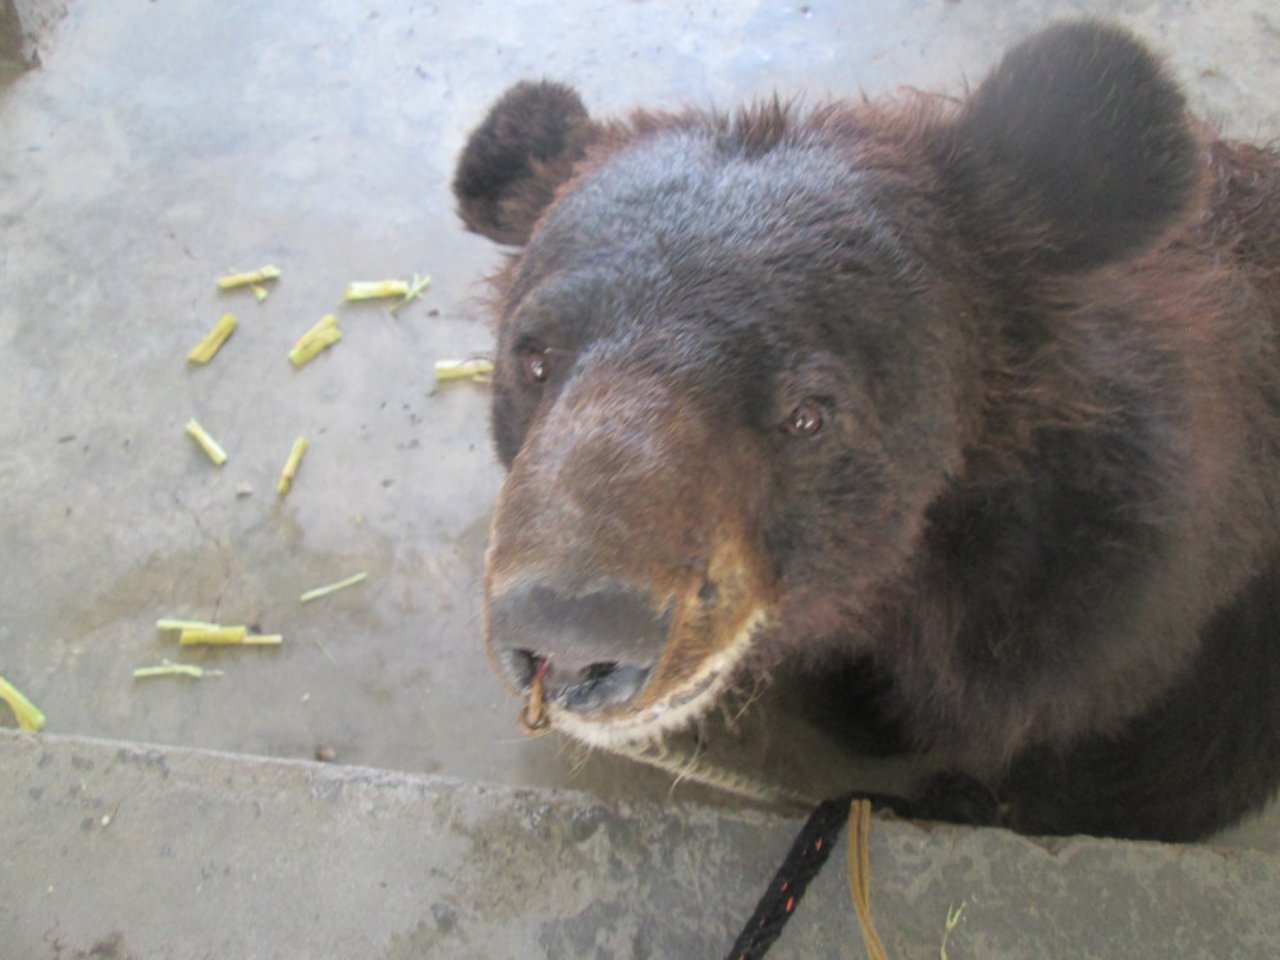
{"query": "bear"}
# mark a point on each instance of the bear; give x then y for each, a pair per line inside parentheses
(969, 406)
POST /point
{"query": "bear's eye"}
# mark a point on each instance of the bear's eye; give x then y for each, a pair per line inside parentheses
(806, 419)
(535, 365)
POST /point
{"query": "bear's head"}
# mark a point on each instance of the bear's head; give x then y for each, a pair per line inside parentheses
(739, 357)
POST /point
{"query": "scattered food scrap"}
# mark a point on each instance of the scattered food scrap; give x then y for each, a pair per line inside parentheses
(416, 286)
(244, 489)
(319, 592)
(228, 636)
(167, 669)
(533, 718)
(212, 634)
(198, 632)
(259, 291)
(28, 714)
(954, 916)
(323, 334)
(376, 289)
(203, 351)
(260, 276)
(406, 290)
(291, 466)
(476, 368)
(207, 443)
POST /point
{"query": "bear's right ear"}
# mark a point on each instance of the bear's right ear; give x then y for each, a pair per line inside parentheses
(1076, 151)
(514, 161)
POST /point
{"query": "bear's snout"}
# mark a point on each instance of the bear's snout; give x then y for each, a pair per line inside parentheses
(599, 648)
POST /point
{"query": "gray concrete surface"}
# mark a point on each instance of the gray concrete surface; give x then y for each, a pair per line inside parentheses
(161, 144)
(24, 27)
(120, 851)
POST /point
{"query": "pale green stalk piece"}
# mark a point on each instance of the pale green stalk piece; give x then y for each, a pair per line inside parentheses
(168, 669)
(259, 276)
(291, 466)
(953, 918)
(259, 291)
(319, 592)
(213, 635)
(28, 714)
(375, 289)
(416, 286)
(203, 351)
(322, 335)
(474, 369)
(207, 443)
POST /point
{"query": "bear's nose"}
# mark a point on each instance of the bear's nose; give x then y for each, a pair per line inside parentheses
(599, 648)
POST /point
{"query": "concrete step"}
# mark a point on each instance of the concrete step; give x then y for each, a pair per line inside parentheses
(115, 850)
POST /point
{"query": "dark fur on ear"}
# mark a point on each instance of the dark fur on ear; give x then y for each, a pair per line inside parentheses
(1080, 136)
(514, 161)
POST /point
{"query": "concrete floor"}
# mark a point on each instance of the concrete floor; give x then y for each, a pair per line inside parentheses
(142, 852)
(162, 144)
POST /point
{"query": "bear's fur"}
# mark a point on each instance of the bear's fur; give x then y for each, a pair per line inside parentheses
(979, 399)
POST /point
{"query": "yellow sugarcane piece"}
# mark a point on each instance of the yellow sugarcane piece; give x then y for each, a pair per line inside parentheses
(214, 636)
(207, 443)
(376, 289)
(28, 714)
(291, 466)
(416, 286)
(322, 335)
(185, 625)
(167, 669)
(259, 291)
(319, 592)
(203, 351)
(309, 347)
(228, 637)
(473, 369)
(259, 276)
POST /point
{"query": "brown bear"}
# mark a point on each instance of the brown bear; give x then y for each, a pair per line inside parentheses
(978, 399)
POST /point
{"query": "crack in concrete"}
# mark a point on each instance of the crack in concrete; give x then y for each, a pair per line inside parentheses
(222, 548)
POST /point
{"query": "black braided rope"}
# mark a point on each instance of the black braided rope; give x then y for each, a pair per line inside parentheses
(816, 840)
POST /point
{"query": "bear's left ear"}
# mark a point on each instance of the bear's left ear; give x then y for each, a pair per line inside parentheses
(1077, 149)
(514, 161)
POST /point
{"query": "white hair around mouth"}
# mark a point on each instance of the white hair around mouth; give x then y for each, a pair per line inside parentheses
(675, 711)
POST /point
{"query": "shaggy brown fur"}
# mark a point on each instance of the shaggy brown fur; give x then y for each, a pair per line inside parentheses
(979, 398)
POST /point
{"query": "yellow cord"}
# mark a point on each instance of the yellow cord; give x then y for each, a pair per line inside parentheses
(860, 875)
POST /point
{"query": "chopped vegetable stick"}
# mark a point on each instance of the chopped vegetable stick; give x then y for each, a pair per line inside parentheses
(953, 917)
(475, 369)
(308, 347)
(322, 335)
(210, 445)
(234, 280)
(291, 466)
(168, 669)
(185, 625)
(213, 635)
(259, 291)
(203, 351)
(376, 289)
(416, 286)
(28, 714)
(319, 592)
(229, 637)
